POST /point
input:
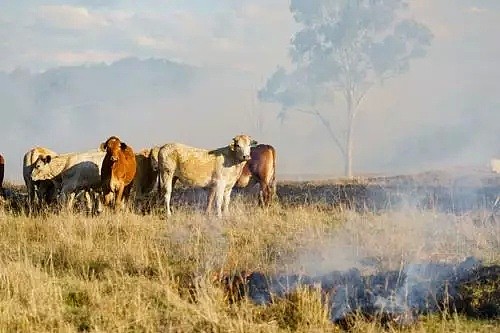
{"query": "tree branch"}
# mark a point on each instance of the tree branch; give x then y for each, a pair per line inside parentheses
(326, 123)
(304, 111)
(360, 98)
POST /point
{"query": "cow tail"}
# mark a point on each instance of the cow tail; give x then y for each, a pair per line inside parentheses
(159, 185)
(273, 179)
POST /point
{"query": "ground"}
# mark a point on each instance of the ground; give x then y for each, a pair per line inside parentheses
(140, 272)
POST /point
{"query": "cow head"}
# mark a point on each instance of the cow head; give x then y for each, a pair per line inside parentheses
(41, 168)
(113, 146)
(241, 145)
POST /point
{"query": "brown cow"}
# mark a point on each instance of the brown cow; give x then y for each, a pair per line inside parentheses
(117, 172)
(145, 179)
(146, 171)
(262, 169)
(2, 170)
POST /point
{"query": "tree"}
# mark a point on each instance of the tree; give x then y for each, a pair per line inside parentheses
(344, 48)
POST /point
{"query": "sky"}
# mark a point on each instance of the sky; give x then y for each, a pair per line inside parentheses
(45, 34)
(443, 112)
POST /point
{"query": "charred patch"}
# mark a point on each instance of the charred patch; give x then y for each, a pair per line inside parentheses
(393, 298)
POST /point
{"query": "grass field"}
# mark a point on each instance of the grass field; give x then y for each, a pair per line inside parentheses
(140, 273)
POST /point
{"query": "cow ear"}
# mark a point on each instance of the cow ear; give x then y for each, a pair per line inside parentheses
(253, 143)
(102, 146)
(47, 159)
(231, 145)
(123, 145)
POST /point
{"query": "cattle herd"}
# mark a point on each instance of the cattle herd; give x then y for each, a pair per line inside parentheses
(114, 176)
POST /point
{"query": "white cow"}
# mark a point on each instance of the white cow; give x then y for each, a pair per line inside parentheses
(217, 169)
(72, 172)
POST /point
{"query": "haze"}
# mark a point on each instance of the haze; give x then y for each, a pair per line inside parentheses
(73, 73)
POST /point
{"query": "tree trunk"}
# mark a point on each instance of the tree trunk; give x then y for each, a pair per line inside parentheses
(348, 150)
(350, 127)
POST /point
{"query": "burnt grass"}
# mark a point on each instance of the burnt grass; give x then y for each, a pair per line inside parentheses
(391, 297)
(449, 191)
(442, 191)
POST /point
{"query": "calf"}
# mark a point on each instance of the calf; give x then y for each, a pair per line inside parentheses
(118, 172)
(262, 169)
(217, 169)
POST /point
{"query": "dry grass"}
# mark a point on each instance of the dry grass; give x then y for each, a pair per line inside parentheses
(132, 273)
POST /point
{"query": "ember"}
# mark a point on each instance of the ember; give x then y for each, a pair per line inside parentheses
(394, 297)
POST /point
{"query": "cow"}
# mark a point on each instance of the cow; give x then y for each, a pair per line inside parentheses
(146, 171)
(2, 172)
(218, 169)
(39, 192)
(261, 169)
(72, 173)
(118, 171)
(146, 175)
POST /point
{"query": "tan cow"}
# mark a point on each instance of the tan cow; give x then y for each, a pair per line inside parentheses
(39, 192)
(72, 172)
(118, 171)
(217, 169)
(261, 169)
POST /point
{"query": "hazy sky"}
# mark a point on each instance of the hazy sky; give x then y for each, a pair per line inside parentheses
(250, 35)
(444, 111)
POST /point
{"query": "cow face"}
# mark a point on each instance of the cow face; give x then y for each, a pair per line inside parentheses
(241, 145)
(41, 168)
(113, 147)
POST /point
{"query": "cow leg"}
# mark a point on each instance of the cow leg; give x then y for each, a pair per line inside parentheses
(210, 200)
(127, 192)
(119, 198)
(273, 190)
(71, 201)
(88, 202)
(167, 181)
(62, 200)
(31, 200)
(219, 197)
(108, 198)
(227, 198)
(31, 196)
(264, 194)
(98, 197)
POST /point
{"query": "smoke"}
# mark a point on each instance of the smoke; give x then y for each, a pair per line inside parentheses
(393, 266)
(396, 264)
